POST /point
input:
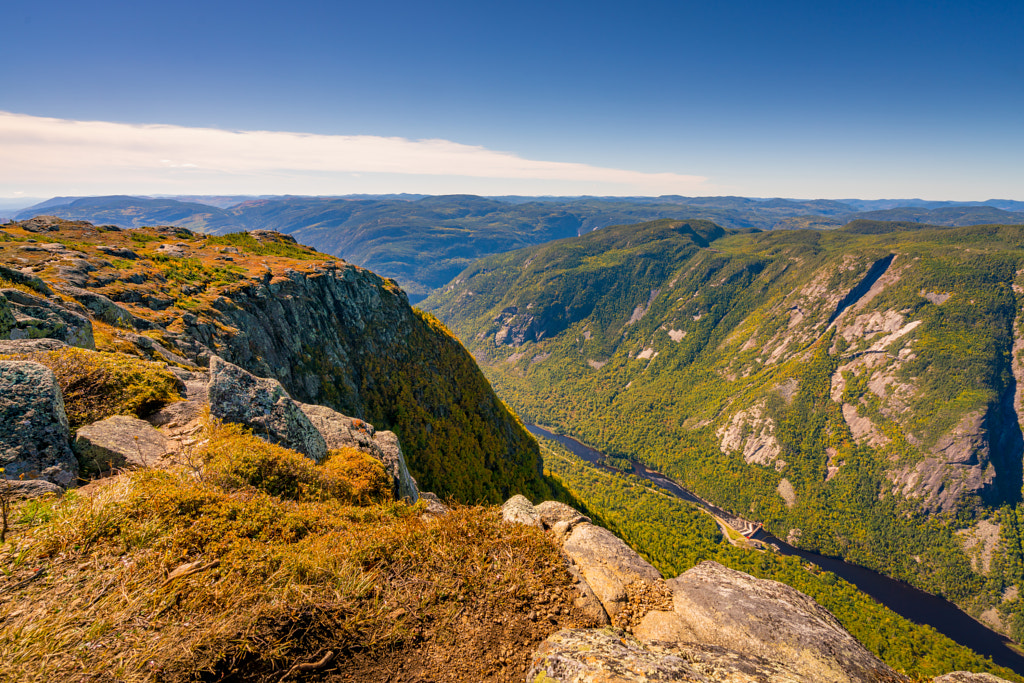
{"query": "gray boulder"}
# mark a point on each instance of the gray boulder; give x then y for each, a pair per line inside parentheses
(341, 431)
(610, 656)
(119, 442)
(33, 425)
(609, 566)
(25, 489)
(264, 406)
(726, 608)
(30, 345)
(519, 510)
(968, 677)
(434, 506)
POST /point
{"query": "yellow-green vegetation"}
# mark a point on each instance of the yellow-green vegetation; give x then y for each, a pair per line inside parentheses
(253, 563)
(283, 246)
(648, 340)
(194, 271)
(232, 458)
(96, 385)
(675, 536)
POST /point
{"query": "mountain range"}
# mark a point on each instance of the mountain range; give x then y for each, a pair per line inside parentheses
(425, 241)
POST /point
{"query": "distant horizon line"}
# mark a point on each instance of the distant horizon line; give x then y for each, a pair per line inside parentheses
(503, 196)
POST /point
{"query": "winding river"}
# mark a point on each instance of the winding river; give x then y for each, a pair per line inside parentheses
(900, 597)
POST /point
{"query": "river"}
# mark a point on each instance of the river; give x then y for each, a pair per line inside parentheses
(902, 598)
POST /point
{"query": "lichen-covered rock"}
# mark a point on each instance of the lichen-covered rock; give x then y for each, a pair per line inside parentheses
(519, 510)
(719, 606)
(341, 431)
(33, 425)
(264, 406)
(394, 462)
(119, 442)
(608, 565)
(968, 677)
(37, 317)
(25, 489)
(609, 656)
(559, 518)
(30, 345)
(433, 507)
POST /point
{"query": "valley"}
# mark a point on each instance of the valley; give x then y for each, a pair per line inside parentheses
(855, 390)
(907, 601)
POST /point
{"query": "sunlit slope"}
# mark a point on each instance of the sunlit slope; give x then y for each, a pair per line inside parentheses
(856, 392)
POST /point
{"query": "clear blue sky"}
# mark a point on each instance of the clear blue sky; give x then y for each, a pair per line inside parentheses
(798, 99)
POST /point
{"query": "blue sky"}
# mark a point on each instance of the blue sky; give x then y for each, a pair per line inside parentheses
(797, 99)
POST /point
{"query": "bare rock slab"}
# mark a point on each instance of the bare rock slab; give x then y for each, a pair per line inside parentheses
(723, 607)
(120, 442)
(264, 406)
(968, 677)
(34, 437)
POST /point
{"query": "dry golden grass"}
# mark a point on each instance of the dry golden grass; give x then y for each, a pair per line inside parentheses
(204, 574)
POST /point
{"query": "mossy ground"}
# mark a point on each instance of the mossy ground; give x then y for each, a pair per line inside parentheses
(252, 560)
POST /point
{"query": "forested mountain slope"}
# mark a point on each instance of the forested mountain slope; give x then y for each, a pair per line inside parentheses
(332, 333)
(858, 393)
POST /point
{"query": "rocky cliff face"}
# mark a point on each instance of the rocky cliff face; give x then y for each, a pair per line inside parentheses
(331, 333)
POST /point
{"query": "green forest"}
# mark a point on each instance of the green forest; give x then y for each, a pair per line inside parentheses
(870, 376)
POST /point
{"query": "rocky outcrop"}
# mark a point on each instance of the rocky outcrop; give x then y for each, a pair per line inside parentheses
(341, 431)
(727, 608)
(33, 425)
(35, 317)
(393, 459)
(709, 624)
(609, 566)
(331, 333)
(968, 677)
(264, 406)
(119, 442)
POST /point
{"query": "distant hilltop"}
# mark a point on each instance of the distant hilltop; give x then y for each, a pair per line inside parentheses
(425, 241)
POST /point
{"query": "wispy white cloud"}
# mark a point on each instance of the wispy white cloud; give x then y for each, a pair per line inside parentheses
(41, 155)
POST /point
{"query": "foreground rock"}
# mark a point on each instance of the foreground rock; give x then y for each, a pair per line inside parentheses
(606, 656)
(709, 624)
(341, 431)
(25, 489)
(34, 438)
(967, 677)
(719, 606)
(611, 568)
(264, 406)
(119, 442)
